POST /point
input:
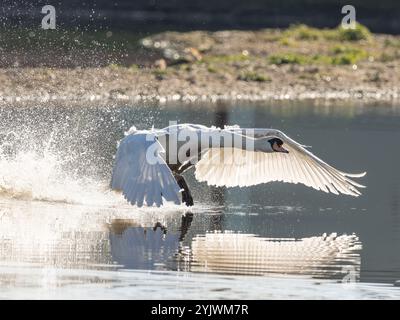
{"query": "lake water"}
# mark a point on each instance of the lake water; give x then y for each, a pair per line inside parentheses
(64, 234)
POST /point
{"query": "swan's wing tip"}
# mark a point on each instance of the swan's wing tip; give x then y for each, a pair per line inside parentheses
(355, 175)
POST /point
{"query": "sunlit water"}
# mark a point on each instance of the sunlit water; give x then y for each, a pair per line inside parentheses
(65, 234)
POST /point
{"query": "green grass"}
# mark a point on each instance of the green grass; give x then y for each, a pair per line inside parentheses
(134, 67)
(288, 58)
(340, 55)
(159, 74)
(359, 33)
(212, 69)
(224, 58)
(114, 66)
(298, 58)
(253, 76)
(305, 33)
(344, 55)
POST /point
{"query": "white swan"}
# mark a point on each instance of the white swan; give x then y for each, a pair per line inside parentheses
(149, 163)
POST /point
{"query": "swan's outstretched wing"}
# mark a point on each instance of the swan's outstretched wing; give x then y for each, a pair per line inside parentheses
(233, 167)
(141, 180)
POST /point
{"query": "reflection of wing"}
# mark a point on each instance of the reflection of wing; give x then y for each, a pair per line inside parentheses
(143, 248)
(247, 254)
(139, 179)
(298, 166)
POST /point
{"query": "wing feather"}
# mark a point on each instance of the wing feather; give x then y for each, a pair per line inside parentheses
(140, 180)
(298, 166)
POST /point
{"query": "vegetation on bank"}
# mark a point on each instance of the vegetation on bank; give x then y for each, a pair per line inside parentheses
(303, 32)
(254, 56)
(297, 59)
(339, 55)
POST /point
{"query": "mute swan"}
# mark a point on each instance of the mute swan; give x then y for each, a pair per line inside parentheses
(149, 163)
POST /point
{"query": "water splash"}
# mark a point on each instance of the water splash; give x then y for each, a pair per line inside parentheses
(60, 154)
(32, 176)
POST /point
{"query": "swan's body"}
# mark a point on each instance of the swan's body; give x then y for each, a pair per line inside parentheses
(149, 163)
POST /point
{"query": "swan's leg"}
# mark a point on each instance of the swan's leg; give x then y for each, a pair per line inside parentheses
(186, 195)
(185, 225)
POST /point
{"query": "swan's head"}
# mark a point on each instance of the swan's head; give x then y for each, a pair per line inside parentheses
(276, 145)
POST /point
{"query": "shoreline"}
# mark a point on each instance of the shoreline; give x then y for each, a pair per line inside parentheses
(385, 97)
(71, 92)
(298, 63)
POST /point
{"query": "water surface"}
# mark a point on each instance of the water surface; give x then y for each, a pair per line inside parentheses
(64, 233)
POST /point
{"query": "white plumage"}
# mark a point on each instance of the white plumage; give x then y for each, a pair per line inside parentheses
(219, 164)
(139, 180)
(297, 166)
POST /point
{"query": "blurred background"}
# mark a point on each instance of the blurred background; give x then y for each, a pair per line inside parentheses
(204, 14)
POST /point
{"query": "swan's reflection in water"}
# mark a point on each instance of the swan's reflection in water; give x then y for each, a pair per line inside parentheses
(325, 256)
(137, 247)
(51, 235)
(64, 236)
(69, 236)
